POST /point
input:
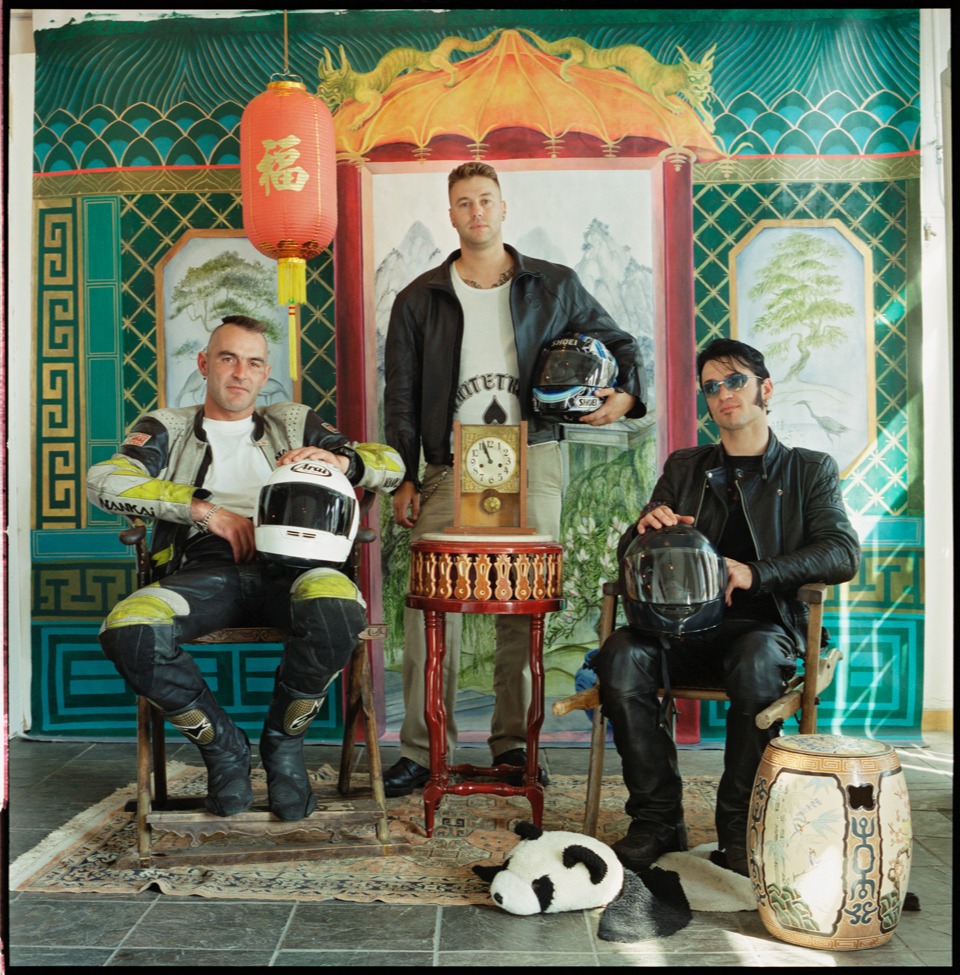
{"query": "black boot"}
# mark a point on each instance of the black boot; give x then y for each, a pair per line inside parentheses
(281, 749)
(741, 758)
(650, 773)
(225, 750)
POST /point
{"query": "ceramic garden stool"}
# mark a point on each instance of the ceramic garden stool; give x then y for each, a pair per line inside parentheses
(829, 841)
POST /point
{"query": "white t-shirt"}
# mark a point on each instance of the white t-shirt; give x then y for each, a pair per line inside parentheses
(489, 373)
(239, 467)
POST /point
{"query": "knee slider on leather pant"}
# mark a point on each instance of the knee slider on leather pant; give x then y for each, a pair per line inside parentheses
(151, 610)
(327, 615)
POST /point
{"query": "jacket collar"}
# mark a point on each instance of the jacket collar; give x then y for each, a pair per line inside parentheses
(771, 456)
(441, 276)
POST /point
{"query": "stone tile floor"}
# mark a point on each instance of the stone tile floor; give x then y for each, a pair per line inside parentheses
(50, 782)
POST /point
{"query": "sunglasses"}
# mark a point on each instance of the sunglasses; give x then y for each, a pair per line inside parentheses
(734, 382)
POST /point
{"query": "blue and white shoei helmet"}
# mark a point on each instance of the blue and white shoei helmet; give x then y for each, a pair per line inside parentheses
(307, 515)
(569, 372)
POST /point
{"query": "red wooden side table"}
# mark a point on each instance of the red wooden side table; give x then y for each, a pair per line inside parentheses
(478, 574)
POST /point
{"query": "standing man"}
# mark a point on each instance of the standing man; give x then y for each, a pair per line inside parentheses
(197, 471)
(462, 344)
(776, 515)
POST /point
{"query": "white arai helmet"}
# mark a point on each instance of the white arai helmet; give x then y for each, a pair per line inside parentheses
(307, 515)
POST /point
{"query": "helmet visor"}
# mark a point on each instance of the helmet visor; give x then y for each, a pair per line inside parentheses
(674, 577)
(307, 506)
(570, 367)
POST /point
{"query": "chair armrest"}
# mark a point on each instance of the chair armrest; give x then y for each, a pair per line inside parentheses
(790, 702)
(135, 534)
(813, 593)
(581, 701)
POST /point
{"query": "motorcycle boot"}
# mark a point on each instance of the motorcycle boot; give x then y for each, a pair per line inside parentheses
(629, 678)
(289, 793)
(744, 749)
(225, 750)
(655, 803)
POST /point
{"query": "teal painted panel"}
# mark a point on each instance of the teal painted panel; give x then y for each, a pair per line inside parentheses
(882, 532)
(877, 691)
(103, 323)
(103, 419)
(100, 543)
(102, 236)
(78, 694)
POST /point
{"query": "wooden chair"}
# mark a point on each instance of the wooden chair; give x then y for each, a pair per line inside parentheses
(801, 693)
(257, 836)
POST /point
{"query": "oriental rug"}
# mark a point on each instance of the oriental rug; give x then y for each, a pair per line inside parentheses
(81, 856)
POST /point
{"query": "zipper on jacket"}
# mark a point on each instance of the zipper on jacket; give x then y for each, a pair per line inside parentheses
(756, 547)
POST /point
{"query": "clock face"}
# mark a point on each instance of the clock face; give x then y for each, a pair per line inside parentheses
(490, 461)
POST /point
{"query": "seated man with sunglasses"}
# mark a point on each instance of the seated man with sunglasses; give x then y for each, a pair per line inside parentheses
(776, 515)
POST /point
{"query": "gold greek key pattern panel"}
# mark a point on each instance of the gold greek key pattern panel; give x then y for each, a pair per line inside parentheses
(58, 238)
(72, 591)
(60, 487)
(58, 378)
(58, 394)
(59, 313)
(887, 582)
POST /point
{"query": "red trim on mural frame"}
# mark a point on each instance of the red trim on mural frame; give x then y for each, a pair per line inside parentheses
(356, 390)
(675, 346)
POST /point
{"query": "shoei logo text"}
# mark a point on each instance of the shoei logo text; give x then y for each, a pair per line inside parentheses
(593, 401)
(313, 467)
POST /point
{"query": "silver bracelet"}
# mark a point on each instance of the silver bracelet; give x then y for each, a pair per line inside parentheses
(204, 525)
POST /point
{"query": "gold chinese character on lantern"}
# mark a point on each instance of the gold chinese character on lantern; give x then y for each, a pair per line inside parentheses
(277, 167)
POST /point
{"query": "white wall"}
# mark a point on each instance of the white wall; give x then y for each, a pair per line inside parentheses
(937, 366)
(18, 336)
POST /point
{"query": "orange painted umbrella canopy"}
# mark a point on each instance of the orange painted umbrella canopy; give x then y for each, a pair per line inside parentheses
(516, 85)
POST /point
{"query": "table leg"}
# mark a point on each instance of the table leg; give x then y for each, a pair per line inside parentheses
(534, 788)
(435, 714)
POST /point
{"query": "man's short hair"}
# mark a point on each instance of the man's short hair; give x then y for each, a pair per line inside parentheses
(470, 169)
(245, 321)
(732, 349)
(242, 321)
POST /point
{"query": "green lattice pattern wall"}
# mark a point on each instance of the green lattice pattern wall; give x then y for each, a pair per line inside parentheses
(150, 225)
(877, 213)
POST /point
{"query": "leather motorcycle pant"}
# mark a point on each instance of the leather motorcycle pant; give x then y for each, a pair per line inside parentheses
(750, 660)
(320, 608)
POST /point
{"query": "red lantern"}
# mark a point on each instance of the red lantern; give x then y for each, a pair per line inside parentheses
(288, 182)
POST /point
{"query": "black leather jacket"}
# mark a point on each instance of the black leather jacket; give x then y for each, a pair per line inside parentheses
(794, 509)
(422, 353)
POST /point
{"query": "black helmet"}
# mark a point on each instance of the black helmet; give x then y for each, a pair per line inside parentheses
(568, 373)
(673, 582)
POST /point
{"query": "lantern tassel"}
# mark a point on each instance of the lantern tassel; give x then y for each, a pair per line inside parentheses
(293, 334)
(291, 281)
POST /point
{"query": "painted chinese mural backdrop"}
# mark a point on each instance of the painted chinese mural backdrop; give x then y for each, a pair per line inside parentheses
(772, 158)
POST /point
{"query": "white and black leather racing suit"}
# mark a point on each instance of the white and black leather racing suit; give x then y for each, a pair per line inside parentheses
(198, 587)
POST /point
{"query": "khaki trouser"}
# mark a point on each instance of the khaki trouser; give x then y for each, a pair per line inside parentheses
(511, 674)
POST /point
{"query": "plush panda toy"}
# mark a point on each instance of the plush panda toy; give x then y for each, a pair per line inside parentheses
(552, 871)
(555, 871)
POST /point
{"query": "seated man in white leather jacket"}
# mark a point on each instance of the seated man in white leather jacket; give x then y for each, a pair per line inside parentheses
(197, 472)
